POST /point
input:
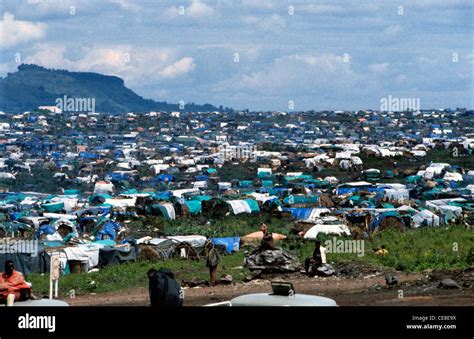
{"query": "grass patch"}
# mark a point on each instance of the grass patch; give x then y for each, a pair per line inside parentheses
(412, 251)
(133, 275)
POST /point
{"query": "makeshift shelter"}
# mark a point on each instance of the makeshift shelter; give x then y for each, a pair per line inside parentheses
(336, 229)
(104, 187)
(386, 220)
(425, 218)
(231, 243)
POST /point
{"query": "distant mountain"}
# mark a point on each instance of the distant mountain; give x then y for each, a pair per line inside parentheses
(32, 86)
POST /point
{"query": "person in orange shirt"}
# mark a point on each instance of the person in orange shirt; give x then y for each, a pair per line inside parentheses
(13, 286)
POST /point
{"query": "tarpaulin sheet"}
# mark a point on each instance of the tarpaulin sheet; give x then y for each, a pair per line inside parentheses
(239, 206)
(54, 207)
(339, 229)
(26, 263)
(86, 253)
(299, 213)
(301, 199)
(116, 255)
(253, 205)
(194, 206)
(231, 243)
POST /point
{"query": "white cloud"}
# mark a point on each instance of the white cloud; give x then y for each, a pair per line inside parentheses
(196, 10)
(178, 68)
(393, 30)
(126, 5)
(379, 68)
(295, 74)
(134, 65)
(13, 31)
(275, 22)
(50, 56)
(320, 9)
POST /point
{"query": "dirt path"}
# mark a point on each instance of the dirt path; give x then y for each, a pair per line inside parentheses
(369, 290)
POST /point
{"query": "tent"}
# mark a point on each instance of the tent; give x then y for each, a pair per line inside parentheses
(425, 218)
(103, 187)
(301, 199)
(231, 243)
(193, 206)
(240, 206)
(166, 210)
(387, 220)
(164, 178)
(337, 229)
(257, 236)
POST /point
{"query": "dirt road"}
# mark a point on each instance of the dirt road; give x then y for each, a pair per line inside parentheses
(366, 289)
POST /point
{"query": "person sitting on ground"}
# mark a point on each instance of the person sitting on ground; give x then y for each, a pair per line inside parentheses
(267, 242)
(317, 260)
(13, 286)
(213, 259)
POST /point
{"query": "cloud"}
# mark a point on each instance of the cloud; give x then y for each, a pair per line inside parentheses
(295, 74)
(197, 10)
(379, 68)
(178, 68)
(273, 23)
(321, 9)
(127, 5)
(393, 30)
(50, 56)
(132, 64)
(14, 31)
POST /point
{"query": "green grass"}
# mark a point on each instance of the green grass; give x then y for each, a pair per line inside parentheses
(133, 275)
(414, 250)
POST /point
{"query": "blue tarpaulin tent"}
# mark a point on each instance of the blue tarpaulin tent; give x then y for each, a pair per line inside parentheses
(194, 206)
(231, 243)
(165, 178)
(299, 213)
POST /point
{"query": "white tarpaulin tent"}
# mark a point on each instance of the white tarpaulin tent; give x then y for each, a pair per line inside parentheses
(425, 218)
(239, 206)
(193, 240)
(103, 187)
(453, 176)
(338, 229)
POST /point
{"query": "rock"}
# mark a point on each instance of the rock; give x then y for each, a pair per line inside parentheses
(226, 279)
(253, 275)
(349, 270)
(276, 261)
(375, 287)
(448, 284)
(325, 270)
(194, 283)
(391, 280)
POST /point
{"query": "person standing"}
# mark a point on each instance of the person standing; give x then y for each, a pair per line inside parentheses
(317, 260)
(213, 259)
(267, 242)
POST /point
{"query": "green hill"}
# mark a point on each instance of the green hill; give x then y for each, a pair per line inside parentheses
(32, 86)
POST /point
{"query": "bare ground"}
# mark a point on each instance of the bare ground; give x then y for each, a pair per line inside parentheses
(361, 287)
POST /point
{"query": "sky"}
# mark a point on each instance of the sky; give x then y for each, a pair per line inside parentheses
(255, 54)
